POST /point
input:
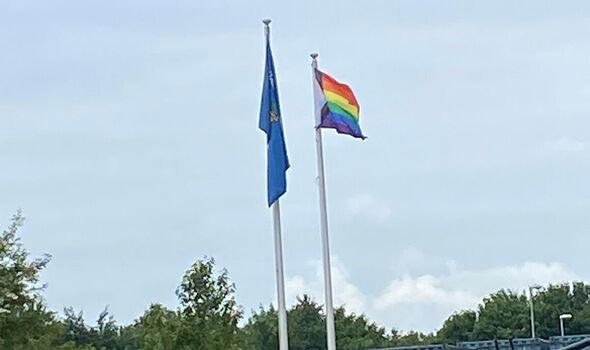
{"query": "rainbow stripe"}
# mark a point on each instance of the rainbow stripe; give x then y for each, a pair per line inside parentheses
(338, 108)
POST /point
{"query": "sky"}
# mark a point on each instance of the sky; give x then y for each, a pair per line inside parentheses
(129, 139)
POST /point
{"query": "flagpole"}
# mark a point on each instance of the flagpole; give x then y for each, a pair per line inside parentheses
(276, 215)
(283, 335)
(330, 328)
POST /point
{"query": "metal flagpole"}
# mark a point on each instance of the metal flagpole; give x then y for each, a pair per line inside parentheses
(276, 215)
(532, 313)
(331, 333)
(283, 335)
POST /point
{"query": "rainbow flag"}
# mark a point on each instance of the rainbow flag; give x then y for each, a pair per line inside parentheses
(336, 106)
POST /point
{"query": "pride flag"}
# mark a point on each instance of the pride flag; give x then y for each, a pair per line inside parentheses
(336, 106)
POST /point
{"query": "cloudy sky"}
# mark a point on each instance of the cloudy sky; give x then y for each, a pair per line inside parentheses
(129, 139)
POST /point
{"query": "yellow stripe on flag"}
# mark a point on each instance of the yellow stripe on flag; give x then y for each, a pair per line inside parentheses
(342, 102)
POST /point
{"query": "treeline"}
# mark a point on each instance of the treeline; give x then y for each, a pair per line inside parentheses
(208, 316)
(506, 314)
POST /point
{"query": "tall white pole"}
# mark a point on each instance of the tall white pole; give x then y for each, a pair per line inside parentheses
(561, 326)
(532, 313)
(283, 334)
(561, 318)
(331, 333)
(276, 216)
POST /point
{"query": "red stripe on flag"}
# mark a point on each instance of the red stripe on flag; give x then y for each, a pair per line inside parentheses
(329, 83)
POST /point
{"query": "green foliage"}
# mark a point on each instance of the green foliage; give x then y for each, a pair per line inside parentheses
(507, 314)
(502, 315)
(208, 316)
(261, 331)
(412, 338)
(207, 319)
(559, 299)
(106, 335)
(106, 332)
(307, 329)
(18, 276)
(24, 319)
(208, 310)
(158, 328)
(458, 327)
(76, 330)
(357, 332)
(306, 325)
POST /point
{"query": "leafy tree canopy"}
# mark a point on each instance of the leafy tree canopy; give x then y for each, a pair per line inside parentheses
(207, 316)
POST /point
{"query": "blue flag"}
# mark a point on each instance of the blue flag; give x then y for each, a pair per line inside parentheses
(271, 123)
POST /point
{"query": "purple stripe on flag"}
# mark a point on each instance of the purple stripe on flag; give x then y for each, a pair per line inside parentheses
(343, 124)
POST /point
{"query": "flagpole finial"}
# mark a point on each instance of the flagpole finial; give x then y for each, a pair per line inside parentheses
(314, 63)
(266, 22)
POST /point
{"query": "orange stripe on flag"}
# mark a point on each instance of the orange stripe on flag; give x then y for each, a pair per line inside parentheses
(329, 83)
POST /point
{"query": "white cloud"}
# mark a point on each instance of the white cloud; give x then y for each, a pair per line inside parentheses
(424, 301)
(436, 297)
(296, 286)
(344, 291)
(516, 277)
(423, 289)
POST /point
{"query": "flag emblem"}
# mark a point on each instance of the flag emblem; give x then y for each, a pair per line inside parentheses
(274, 117)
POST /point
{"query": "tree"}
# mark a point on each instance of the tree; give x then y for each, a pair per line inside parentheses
(106, 333)
(307, 329)
(158, 328)
(209, 313)
(580, 324)
(207, 319)
(458, 327)
(208, 316)
(357, 332)
(105, 336)
(502, 315)
(261, 330)
(558, 299)
(76, 330)
(549, 304)
(24, 318)
(506, 313)
(411, 338)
